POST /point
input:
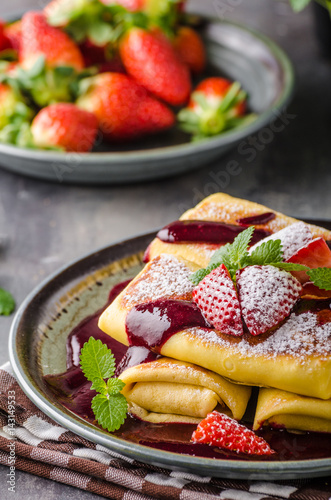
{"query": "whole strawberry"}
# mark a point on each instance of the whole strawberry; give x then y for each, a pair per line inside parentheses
(151, 60)
(217, 299)
(220, 430)
(66, 127)
(125, 110)
(190, 47)
(13, 33)
(4, 41)
(41, 39)
(216, 105)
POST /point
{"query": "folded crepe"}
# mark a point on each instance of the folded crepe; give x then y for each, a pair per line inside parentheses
(166, 390)
(294, 357)
(221, 207)
(284, 409)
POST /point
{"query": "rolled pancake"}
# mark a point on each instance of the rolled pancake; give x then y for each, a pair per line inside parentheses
(221, 207)
(294, 357)
(284, 409)
(166, 390)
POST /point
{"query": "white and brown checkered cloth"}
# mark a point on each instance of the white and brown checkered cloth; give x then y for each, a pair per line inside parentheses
(45, 449)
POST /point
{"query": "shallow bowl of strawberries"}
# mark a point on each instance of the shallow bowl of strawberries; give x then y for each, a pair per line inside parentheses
(103, 91)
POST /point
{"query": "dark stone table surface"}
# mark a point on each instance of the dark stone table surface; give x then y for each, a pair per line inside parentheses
(43, 225)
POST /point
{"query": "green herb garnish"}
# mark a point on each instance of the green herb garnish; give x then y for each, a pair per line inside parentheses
(7, 303)
(236, 256)
(98, 363)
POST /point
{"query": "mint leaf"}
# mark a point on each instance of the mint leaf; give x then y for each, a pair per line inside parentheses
(238, 250)
(298, 5)
(233, 255)
(288, 266)
(7, 303)
(99, 385)
(97, 361)
(115, 385)
(110, 412)
(321, 277)
(266, 253)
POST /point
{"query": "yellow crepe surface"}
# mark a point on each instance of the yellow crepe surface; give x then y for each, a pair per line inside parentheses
(221, 207)
(294, 357)
(169, 387)
(284, 409)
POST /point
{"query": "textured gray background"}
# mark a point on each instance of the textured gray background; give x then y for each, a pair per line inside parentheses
(43, 226)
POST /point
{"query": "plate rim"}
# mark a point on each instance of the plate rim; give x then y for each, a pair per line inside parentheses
(237, 469)
(179, 150)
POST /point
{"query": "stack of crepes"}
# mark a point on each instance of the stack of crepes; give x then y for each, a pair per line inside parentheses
(199, 369)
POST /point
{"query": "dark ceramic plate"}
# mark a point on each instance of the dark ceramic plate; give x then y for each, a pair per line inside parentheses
(261, 67)
(37, 347)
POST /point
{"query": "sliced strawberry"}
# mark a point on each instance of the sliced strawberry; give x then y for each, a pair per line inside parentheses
(315, 254)
(216, 297)
(220, 430)
(311, 291)
(292, 237)
(65, 126)
(266, 295)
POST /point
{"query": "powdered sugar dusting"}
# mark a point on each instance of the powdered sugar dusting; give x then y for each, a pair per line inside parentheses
(266, 295)
(217, 298)
(166, 276)
(292, 237)
(301, 336)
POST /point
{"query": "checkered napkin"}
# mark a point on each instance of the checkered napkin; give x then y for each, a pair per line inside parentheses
(32, 442)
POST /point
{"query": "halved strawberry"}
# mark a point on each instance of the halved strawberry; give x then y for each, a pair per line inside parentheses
(311, 291)
(266, 295)
(220, 430)
(315, 254)
(292, 238)
(216, 297)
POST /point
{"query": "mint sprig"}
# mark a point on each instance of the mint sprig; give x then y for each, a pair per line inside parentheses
(236, 256)
(7, 303)
(98, 363)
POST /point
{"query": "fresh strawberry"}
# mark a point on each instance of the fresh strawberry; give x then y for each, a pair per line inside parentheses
(130, 5)
(292, 237)
(216, 105)
(216, 297)
(125, 109)
(189, 46)
(150, 58)
(50, 61)
(41, 39)
(65, 126)
(13, 33)
(4, 41)
(266, 295)
(217, 429)
(315, 254)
